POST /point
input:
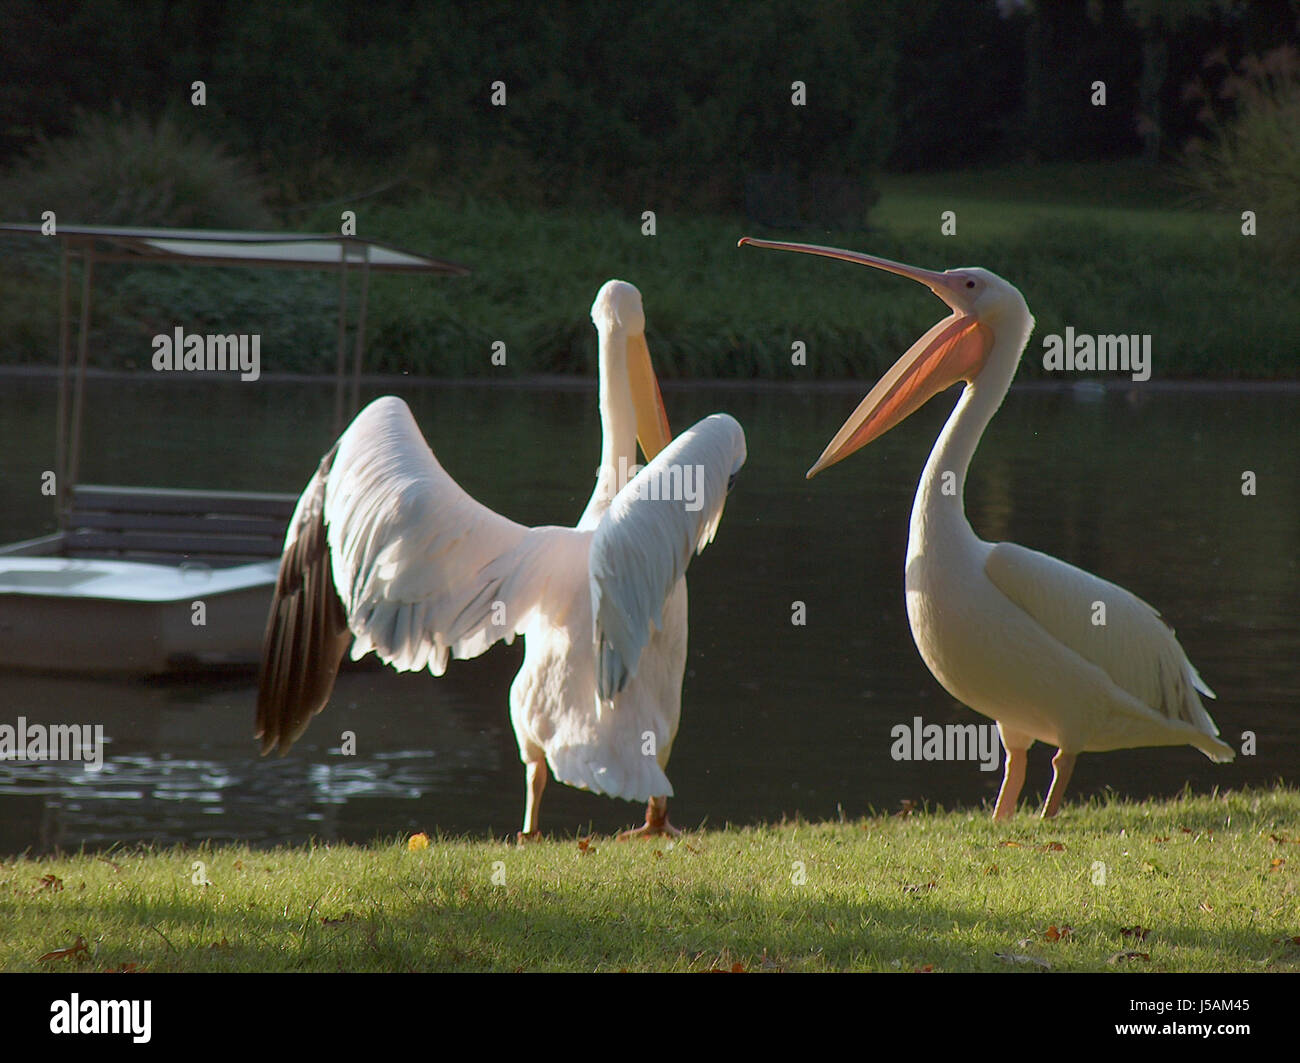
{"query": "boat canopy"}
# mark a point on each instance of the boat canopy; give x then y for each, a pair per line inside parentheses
(212, 247)
(208, 247)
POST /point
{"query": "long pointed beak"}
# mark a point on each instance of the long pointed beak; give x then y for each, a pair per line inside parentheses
(652, 431)
(954, 349)
(944, 286)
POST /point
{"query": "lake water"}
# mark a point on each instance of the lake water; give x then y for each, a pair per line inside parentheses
(1142, 487)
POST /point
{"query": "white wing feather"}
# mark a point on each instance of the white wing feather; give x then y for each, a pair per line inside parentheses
(1134, 647)
(645, 541)
(420, 566)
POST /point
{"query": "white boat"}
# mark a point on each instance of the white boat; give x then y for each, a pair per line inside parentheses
(145, 580)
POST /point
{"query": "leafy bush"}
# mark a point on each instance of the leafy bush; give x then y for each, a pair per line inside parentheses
(295, 313)
(117, 169)
(655, 105)
(1251, 160)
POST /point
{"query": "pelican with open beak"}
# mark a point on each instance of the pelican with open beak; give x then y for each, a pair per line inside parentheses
(1011, 632)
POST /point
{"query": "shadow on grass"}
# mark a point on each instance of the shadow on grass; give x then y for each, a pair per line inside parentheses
(483, 928)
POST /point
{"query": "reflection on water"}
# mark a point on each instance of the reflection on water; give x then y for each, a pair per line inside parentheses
(778, 719)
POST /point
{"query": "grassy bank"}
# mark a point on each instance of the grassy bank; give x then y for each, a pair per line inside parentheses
(1196, 884)
(1105, 249)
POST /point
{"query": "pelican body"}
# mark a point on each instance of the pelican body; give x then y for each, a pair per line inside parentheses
(386, 553)
(1050, 652)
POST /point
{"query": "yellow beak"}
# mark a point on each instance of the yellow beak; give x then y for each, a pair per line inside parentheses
(652, 431)
(954, 349)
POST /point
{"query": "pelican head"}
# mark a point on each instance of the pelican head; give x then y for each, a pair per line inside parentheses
(617, 308)
(619, 318)
(957, 348)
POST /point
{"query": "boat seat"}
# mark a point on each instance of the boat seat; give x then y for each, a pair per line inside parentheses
(217, 528)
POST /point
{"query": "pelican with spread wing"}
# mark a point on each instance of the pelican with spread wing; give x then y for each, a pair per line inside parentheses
(387, 554)
(1052, 653)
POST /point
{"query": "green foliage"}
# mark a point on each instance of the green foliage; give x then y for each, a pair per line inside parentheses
(116, 169)
(718, 311)
(656, 104)
(295, 313)
(1194, 884)
(1252, 159)
(959, 84)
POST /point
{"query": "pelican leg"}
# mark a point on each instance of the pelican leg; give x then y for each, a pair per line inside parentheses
(1062, 768)
(535, 782)
(1013, 778)
(656, 822)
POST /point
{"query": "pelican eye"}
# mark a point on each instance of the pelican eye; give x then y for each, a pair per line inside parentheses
(970, 284)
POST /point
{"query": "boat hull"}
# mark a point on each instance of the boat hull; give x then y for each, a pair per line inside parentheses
(130, 619)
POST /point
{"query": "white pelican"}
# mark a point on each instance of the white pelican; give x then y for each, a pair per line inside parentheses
(387, 553)
(1011, 632)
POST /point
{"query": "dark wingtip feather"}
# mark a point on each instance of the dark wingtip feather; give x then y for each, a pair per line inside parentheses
(306, 630)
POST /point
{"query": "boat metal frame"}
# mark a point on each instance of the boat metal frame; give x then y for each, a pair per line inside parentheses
(182, 543)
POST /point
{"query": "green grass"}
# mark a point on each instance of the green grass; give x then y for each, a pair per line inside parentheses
(1105, 248)
(1211, 883)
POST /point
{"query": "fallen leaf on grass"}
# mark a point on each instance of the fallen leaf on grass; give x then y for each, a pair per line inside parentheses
(584, 846)
(1057, 933)
(1120, 957)
(1139, 932)
(222, 944)
(1158, 838)
(1008, 844)
(1276, 863)
(919, 887)
(52, 883)
(417, 842)
(908, 808)
(992, 869)
(927, 969)
(239, 865)
(1053, 847)
(125, 968)
(75, 949)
